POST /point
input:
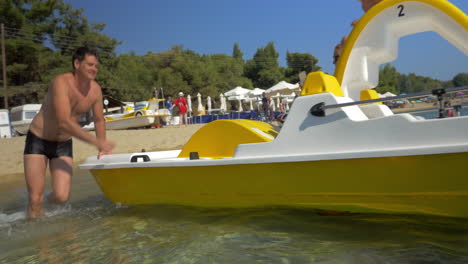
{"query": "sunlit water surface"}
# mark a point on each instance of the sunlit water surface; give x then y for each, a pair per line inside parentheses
(90, 229)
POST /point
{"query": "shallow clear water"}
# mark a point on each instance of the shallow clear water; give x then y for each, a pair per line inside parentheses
(90, 229)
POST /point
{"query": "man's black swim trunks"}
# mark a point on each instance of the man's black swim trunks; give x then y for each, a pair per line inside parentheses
(50, 149)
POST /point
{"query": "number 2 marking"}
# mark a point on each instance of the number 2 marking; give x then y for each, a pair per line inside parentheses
(401, 7)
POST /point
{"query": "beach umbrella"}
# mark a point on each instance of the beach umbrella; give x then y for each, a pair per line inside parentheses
(223, 107)
(389, 94)
(189, 103)
(200, 106)
(459, 94)
(256, 92)
(240, 106)
(208, 102)
(286, 104)
(283, 88)
(238, 91)
(278, 97)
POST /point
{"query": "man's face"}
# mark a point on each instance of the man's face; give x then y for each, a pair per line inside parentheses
(88, 67)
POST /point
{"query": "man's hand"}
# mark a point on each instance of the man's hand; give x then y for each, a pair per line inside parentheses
(104, 147)
(102, 153)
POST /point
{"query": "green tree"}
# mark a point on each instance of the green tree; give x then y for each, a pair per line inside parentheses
(32, 26)
(388, 79)
(298, 62)
(263, 69)
(237, 53)
(460, 79)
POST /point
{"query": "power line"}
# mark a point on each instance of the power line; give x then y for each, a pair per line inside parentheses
(65, 43)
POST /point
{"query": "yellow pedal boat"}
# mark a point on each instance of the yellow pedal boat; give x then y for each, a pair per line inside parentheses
(331, 153)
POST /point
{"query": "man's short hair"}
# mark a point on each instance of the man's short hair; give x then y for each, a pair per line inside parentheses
(80, 54)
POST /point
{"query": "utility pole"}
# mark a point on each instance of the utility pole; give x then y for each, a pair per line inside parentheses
(5, 91)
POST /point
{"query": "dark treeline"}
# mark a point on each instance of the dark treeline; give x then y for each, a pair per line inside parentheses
(42, 35)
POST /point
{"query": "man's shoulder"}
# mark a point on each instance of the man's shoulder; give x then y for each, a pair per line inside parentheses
(64, 77)
(62, 80)
(95, 85)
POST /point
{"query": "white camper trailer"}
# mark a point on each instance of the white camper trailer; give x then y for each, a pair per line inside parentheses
(5, 126)
(22, 116)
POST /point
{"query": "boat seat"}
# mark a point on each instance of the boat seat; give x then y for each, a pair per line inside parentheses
(219, 139)
(319, 82)
(374, 110)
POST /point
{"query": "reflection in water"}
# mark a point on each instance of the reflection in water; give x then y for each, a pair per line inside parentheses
(165, 234)
(93, 230)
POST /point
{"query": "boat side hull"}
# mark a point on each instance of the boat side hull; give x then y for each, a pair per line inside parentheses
(428, 184)
(131, 122)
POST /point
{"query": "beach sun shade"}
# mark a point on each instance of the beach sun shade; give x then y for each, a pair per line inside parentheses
(238, 91)
(223, 103)
(189, 103)
(208, 103)
(283, 88)
(256, 92)
(200, 105)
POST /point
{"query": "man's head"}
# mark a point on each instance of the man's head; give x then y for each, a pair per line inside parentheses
(181, 94)
(367, 4)
(85, 61)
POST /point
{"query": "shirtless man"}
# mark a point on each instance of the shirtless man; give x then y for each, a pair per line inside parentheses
(49, 137)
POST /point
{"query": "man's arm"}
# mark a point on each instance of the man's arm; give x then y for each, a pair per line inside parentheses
(99, 122)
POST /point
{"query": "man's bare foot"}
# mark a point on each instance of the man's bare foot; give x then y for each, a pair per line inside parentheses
(35, 212)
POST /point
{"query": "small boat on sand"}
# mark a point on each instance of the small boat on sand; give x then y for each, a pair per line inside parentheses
(145, 117)
(338, 149)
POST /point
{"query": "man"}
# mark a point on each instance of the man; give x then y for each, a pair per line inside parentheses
(266, 106)
(49, 137)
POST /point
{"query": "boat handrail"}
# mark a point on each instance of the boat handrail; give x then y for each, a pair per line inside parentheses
(319, 109)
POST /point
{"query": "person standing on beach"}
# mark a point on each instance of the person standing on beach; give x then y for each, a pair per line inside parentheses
(181, 103)
(169, 103)
(49, 139)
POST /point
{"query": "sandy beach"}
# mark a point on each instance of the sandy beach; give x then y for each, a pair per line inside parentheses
(166, 138)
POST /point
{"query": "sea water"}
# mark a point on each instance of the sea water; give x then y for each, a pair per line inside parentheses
(91, 229)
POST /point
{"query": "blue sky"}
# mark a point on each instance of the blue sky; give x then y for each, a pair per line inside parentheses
(306, 26)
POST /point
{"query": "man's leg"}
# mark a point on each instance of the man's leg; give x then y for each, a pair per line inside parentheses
(34, 172)
(181, 120)
(61, 172)
(186, 119)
